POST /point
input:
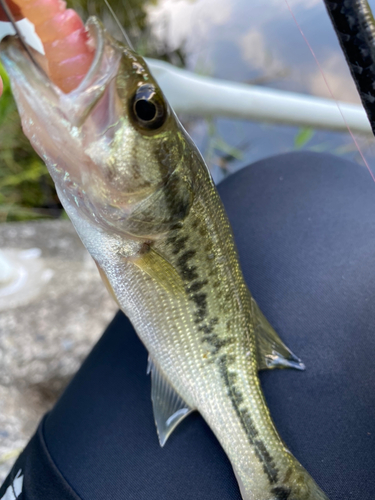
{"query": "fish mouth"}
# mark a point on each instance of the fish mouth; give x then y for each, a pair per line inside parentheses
(71, 132)
(30, 79)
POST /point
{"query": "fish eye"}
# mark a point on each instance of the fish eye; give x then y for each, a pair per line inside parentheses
(148, 108)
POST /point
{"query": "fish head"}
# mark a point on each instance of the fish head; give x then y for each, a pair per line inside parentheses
(114, 147)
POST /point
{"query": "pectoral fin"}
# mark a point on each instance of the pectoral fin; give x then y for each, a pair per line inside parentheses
(272, 352)
(161, 271)
(169, 408)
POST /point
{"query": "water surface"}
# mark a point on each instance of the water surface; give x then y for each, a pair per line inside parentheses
(258, 42)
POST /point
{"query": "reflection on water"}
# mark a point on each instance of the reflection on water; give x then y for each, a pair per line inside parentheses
(258, 42)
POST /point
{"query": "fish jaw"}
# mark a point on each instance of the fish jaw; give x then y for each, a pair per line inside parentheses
(57, 124)
(88, 138)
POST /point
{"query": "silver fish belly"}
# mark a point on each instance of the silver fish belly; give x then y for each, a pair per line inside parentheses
(143, 202)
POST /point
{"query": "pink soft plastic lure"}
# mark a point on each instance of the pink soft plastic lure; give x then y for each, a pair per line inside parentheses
(65, 40)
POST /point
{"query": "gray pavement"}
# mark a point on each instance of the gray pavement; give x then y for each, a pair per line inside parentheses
(49, 320)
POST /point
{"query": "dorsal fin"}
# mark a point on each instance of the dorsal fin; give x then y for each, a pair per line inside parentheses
(169, 408)
(272, 352)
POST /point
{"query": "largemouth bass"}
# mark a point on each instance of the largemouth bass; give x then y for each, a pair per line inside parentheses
(142, 200)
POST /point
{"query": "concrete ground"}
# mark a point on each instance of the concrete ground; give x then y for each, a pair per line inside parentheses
(51, 314)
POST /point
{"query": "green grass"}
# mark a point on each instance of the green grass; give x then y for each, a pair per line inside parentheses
(26, 189)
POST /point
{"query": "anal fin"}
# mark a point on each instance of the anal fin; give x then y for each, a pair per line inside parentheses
(272, 352)
(169, 408)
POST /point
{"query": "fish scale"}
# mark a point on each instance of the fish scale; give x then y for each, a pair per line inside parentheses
(142, 200)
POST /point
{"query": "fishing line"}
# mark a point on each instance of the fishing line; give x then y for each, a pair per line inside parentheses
(122, 29)
(330, 91)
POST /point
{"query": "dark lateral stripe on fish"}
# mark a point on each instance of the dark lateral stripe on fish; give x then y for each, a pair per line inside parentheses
(196, 286)
(188, 272)
(281, 493)
(214, 339)
(177, 198)
(206, 329)
(217, 343)
(200, 299)
(247, 423)
(178, 242)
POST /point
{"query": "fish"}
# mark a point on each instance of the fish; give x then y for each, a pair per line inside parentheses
(142, 200)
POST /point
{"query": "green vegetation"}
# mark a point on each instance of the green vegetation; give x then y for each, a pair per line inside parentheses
(303, 137)
(26, 190)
